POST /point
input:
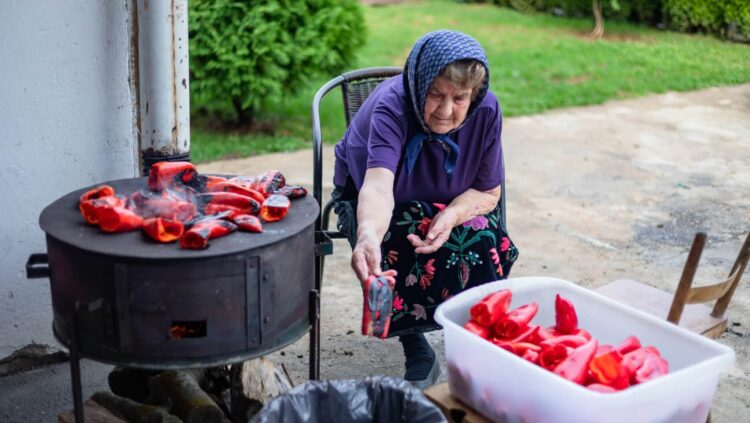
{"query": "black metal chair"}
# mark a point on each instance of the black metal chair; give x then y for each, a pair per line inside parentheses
(356, 86)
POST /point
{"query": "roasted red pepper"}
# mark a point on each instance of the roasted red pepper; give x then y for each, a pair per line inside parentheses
(630, 343)
(575, 367)
(248, 223)
(491, 308)
(515, 321)
(477, 329)
(162, 205)
(653, 366)
(291, 191)
(163, 230)
(212, 180)
(607, 369)
(268, 182)
(117, 219)
(566, 319)
(377, 304)
(573, 341)
(197, 237)
(98, 192)
(634, 359)
(236, 188)
(165, 175)
(88, 207)
(274, 208)
(246, 204)
(550, 357)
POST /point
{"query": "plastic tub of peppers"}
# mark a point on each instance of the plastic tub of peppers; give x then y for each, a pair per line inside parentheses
(546, 350)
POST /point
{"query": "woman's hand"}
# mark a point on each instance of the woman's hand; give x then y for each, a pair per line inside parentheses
(440, 229)
(366, 256)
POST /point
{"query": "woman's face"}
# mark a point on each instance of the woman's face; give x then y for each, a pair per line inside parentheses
(445, 106)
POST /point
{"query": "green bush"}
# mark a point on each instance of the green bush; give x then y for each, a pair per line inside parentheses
(694, 15)
(737, 18)
(244, 53)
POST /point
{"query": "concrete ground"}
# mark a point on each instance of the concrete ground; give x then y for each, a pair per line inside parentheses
(594, 194)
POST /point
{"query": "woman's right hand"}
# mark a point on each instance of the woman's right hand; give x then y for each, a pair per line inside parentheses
(366, 256)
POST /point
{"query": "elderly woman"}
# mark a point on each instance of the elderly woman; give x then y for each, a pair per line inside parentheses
(417, 188)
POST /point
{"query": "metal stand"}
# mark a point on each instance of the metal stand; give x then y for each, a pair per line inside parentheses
(315, 335)
(75, 369)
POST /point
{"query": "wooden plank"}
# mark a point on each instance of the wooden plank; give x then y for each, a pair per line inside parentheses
(654, 301)
(454, 410)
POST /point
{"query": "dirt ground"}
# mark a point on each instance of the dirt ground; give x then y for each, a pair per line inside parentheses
(594, 194)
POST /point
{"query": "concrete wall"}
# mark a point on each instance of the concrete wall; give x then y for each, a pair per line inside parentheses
(66, 121)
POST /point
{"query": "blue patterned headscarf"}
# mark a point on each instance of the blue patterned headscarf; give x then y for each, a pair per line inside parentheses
(429, 56)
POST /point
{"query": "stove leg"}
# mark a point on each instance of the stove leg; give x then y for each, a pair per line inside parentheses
(315, 335)
(75, 373)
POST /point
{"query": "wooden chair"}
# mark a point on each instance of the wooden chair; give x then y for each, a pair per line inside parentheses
(696, 316)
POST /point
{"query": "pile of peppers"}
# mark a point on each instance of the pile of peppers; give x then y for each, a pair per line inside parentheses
(564, 349)
(181, 205)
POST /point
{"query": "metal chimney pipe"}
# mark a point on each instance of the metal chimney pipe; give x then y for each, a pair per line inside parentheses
(163, 81)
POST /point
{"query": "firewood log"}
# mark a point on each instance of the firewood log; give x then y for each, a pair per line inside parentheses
(130, 382)
(255, 382)
(131, 411)
(182, 390)
(93, 413)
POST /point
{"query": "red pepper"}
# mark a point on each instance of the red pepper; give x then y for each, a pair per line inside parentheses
(549, 358)
(88, 207)
(163, 230)
(510, 324)
(98, 192)
(248, 223)
(229, 199)
(603, 349)
(230, 212)
(165, 175)
(233, 187)
(573, 341)
(291, 191)
(527, 335)
(566, 319)
(576, 365)
(163, 205)
(212, 180)
(629, 344)
(634, 359)
(197, 237)
(598, 387)
(653, 366)
(530, 355)
(274, 208)
(607, 369)
(491, 308)
(268, 182)
(539, 335)
(117, 219)
(477, 329)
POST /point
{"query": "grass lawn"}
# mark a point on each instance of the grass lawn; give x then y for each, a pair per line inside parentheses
(537, 63)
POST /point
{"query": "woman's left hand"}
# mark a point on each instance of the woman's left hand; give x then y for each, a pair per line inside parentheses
(440, 229)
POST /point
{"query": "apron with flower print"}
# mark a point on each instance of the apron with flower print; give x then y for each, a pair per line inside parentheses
(477, 251)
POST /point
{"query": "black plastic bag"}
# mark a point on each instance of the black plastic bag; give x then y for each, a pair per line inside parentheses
(377, 399)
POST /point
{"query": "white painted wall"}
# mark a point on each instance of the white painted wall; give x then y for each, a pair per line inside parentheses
(66, 121)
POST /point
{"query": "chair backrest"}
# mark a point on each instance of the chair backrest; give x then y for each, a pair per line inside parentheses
(721, 292)
(356, 86)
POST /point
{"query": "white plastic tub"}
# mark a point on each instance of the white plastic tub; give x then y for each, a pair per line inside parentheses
(505, 387)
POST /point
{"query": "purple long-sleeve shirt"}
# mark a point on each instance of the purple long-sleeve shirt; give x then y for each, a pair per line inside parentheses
(377, 136)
